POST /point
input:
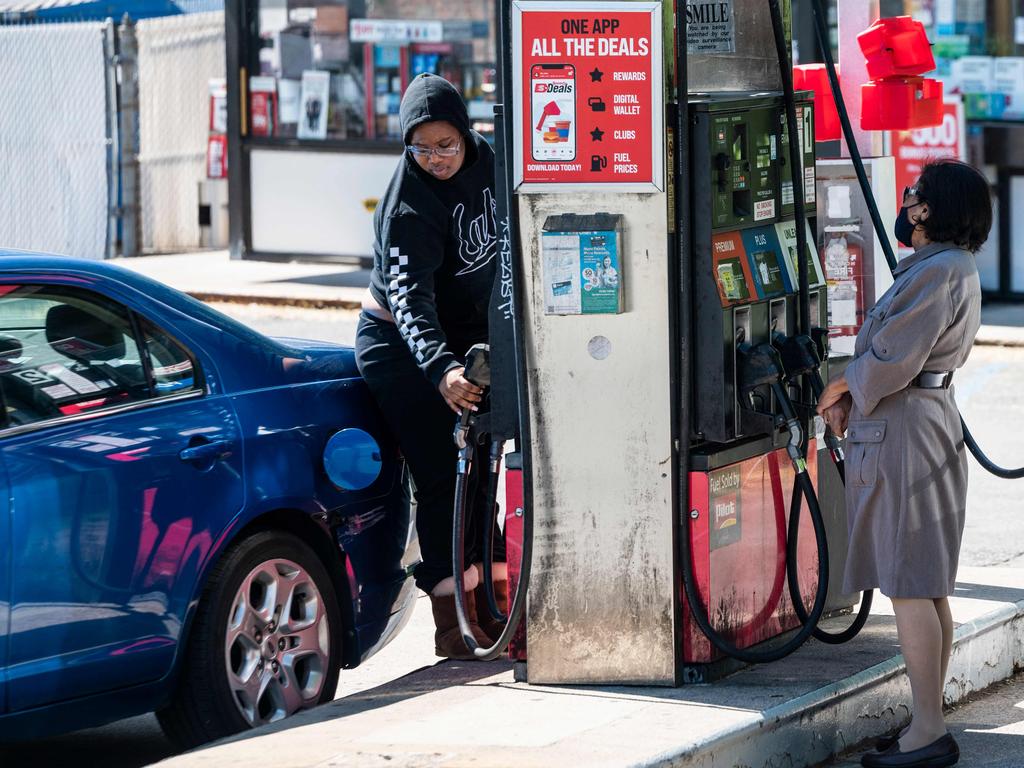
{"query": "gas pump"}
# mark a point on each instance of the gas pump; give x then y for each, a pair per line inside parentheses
(664, 284)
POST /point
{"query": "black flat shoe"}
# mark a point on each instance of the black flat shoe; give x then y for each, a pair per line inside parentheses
(884, 742)
(940, 753)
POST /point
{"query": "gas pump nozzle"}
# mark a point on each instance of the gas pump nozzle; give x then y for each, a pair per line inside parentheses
(478, 371)
(762, 365)
(801, 356)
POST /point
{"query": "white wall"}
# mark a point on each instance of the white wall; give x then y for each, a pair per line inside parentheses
(317, 203)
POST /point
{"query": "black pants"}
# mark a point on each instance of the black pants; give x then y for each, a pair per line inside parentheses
(423, 424)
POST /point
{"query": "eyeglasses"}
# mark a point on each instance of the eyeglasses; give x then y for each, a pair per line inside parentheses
(913, 191)
(439, 151)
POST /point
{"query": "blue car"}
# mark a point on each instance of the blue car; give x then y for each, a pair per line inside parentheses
(195, 519)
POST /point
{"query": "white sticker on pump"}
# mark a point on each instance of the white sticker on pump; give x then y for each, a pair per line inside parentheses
(764, 209)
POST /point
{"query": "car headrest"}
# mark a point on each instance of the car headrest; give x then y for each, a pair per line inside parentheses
(76, 333)
(10, 348)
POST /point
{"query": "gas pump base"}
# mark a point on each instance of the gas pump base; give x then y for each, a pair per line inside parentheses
(739, 504)
(802, 710)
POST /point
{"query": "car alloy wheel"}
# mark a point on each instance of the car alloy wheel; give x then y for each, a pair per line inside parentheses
(277, 643)
(266, 641)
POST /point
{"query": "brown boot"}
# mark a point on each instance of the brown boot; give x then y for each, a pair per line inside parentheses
(448, 642)
(491, 626)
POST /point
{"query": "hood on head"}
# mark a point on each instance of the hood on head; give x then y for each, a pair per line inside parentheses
(429, 98)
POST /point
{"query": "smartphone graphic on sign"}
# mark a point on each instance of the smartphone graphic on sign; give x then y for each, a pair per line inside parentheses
(553, 111)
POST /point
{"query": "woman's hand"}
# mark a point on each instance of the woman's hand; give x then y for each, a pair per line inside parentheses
(832, 394)
(838, 415)
(458, 391)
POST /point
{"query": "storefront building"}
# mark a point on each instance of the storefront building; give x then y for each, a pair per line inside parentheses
(313, 133)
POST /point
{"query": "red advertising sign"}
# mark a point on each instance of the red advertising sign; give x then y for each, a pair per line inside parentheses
(912, 149)
(588, 93)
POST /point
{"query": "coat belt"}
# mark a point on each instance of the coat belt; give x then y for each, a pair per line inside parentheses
(932, 380)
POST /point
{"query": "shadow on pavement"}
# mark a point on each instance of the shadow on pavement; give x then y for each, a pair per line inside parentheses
(128, 743)
(356, 278)
(988, 592)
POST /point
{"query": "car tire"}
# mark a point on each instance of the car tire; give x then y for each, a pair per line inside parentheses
(265, 642)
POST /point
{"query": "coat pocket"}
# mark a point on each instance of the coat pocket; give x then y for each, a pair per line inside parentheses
(865, 439)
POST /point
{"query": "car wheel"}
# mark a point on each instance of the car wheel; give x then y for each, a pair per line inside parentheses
(265, 643)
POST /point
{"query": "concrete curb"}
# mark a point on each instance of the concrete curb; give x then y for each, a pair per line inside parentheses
(1013, 337)
(275, 301)
(870, 703)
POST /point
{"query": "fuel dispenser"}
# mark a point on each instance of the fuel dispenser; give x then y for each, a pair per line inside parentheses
(667, 327)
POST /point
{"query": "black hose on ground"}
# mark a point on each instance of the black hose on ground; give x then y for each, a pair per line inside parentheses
(821, 30)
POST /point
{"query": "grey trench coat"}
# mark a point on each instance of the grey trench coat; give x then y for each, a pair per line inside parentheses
(906, 467)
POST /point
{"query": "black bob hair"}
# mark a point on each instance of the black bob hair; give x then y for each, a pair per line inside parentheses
(959, 204)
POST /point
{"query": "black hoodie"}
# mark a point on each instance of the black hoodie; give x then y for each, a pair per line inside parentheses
(436, 240)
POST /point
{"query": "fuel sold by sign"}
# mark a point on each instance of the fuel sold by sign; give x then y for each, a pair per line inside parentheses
(588, 93)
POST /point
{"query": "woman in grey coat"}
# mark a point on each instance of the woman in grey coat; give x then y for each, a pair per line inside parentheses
(906, 468)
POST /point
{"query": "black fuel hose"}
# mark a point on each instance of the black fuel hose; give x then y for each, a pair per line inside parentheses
(821, 30)
(465, 467)
(491, 510)
(700, 613)
(831, 638)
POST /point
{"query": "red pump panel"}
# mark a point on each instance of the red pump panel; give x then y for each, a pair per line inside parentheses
(896, 47)
(514, 553)
(738, 541)
(814, 77)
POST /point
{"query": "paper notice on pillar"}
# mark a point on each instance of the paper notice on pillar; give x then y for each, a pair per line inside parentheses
(786, 232)
(600, 274)
(560, 259)
(710, 27)
(313, 105)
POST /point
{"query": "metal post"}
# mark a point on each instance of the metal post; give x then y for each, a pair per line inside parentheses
(854, 17)
(113, 143)
(129, 113)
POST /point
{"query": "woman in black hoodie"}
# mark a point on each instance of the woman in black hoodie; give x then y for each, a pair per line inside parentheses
(434, 264)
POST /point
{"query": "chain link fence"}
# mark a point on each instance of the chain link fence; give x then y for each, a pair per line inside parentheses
(58, 150)
(177, 57)
(103, 131)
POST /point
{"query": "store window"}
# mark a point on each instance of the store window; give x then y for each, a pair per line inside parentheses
(337, 70)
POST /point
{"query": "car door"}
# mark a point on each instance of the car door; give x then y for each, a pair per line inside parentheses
(112, 447)
(5, 574)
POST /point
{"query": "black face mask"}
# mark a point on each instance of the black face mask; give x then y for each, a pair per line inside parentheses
(904, 229)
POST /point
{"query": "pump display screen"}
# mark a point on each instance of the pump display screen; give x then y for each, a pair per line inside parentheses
(553, 111)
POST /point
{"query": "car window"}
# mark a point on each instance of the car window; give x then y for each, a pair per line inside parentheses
(65, 352)
(174, 370)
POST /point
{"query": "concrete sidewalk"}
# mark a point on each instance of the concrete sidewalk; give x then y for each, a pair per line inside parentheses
(213, 276)
(803, 710)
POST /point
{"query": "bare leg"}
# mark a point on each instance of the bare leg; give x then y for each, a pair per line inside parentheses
(946, 620)
(920, 636)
